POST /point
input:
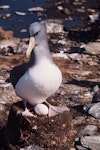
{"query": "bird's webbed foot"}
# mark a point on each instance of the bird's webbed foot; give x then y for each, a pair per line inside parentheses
(55, 110)
(27, 113)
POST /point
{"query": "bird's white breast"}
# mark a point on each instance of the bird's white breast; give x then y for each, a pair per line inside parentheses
(39, 82)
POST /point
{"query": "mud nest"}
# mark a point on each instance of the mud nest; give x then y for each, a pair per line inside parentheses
(55, 132)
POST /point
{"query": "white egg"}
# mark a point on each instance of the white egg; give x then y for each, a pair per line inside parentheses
(41, 109)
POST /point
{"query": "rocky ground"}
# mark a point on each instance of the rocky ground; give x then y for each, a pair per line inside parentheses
(77, 53)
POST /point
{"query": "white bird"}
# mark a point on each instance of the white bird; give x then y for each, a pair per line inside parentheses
(43, 77)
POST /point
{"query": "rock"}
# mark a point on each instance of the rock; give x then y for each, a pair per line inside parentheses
(74, 97)
(20, 13)
(63, 42)
(80, 72)
(8, 15)
(25, 40)
(90, 10)
(87, 130)
(92, 142)
(96, 88)
(96, 97)
(54, 28)
(77, 3)
(67, 11)
(87, 107)
(5, 16)
(74, 56)
(50, 132)
(2, 102)
(60, 8)
(2, 81)
(60, 55)
(8, 45)
(35, 9)
(95, 110)
(92, 63)
(5, 85)
(23, 30)
(88, 94)
(21, 49)
(92, 48)
(94, 17)
(2, 107)
(7, 40)
(72, 148)
(80, 147)
(63, 92)
(6, 35)
(32, 147)
(5, 6)
(80, 10)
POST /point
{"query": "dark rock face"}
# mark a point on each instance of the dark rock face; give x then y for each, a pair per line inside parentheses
(47, 132)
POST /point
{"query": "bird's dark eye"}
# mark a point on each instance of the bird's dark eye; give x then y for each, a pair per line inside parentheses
(36, 33)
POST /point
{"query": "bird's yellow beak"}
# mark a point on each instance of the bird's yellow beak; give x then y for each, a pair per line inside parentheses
(31, 46)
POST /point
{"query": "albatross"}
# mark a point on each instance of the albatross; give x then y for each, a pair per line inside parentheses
(42, 78)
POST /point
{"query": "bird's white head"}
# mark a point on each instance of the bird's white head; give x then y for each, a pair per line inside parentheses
(37, 33)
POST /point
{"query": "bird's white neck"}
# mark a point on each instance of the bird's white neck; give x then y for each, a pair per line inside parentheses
(40, 53)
